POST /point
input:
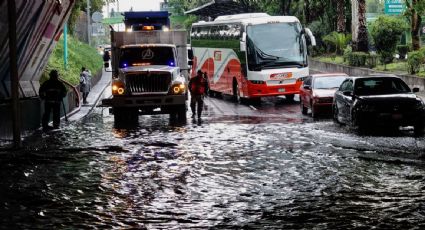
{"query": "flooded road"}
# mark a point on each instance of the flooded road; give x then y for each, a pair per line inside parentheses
(244, 166)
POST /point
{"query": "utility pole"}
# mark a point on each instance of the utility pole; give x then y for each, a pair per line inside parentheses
(88, 23)
(14, 78)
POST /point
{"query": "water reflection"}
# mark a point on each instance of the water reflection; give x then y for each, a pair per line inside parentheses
(228, 172)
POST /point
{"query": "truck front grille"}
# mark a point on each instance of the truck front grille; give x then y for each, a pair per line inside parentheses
(148, 82)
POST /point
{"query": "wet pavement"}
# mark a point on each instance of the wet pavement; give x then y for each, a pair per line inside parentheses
(262, 166)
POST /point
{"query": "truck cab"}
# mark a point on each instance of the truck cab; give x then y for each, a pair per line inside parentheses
(149, 74)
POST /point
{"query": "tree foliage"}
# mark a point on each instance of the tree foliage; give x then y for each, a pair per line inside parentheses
(386, 32)
(337, 41)
(81, 5)
(414, 10)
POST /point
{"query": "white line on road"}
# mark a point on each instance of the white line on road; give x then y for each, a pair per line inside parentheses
(252, 107)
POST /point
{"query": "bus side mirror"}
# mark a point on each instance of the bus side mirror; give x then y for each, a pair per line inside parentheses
(311, 36)
(190, 54)
(243, 42)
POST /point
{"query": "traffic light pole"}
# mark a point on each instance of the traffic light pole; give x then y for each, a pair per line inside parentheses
(14, 78)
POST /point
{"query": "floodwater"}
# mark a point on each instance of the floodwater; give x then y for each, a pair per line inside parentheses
(258, 169)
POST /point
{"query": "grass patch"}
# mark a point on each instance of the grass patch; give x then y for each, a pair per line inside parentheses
(397, 67)
(79, 54)
(331, 59)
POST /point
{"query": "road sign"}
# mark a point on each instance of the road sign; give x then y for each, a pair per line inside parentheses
(97, 16)
(98, 29)
(394, 7)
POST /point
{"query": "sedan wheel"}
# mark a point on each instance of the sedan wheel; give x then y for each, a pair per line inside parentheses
(313, 112)
(419, 130)
(303, 108)
(236, 93)
(335, 114)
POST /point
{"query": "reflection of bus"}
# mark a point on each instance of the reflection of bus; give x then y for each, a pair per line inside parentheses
(252, 55)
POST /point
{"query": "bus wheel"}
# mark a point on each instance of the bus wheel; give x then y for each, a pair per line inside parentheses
(236, 93)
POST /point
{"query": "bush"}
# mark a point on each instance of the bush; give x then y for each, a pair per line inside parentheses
(386, 31)
(402, 51)
(347, 52)
(336, 41)
(372, 61)
(414, 61)
(362, 59)
(357, 59)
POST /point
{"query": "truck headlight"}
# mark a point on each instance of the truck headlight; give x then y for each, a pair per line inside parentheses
(117, 88)
(178, 88)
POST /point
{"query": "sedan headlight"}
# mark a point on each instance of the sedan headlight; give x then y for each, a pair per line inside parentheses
(420, 105)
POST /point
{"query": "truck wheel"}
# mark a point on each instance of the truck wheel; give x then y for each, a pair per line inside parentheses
(181, 113)
(126, 115)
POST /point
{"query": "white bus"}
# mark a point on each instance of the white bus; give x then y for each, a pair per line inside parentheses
(252, 55)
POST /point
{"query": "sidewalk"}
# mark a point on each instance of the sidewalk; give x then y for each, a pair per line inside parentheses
(93, 98)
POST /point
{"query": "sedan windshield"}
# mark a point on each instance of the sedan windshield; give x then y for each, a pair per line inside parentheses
(377, 86)
(275, 45)
(328, 82)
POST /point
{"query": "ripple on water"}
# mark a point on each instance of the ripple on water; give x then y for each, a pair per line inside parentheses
(221, 174)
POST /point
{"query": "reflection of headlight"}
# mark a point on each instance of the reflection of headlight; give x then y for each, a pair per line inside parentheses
(117, 88)
(178, 88)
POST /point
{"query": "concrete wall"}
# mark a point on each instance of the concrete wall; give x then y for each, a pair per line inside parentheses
(412, 81)
(31, 111)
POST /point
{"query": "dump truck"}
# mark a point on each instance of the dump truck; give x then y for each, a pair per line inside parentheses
(149, 73)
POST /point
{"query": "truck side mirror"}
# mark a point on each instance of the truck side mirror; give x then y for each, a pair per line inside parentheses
(190, 55)
(190, 62)
(242, 44)
(311, 36)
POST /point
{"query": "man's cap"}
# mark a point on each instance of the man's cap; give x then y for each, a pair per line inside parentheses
(199, 71)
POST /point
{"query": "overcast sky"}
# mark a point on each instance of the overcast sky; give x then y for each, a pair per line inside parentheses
(138, 5)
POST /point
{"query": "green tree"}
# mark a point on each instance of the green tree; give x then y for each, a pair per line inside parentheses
(81, 5)
(386, 32)
(414, 10)
(336, 40)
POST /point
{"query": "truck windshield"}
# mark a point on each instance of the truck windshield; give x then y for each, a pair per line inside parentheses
(143, 56)
(275, 45)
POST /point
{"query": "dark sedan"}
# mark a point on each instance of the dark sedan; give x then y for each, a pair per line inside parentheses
(378, 101)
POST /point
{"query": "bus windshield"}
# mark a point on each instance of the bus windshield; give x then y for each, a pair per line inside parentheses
(275, 45)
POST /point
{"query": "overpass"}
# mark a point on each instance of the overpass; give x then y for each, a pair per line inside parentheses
(39, 24)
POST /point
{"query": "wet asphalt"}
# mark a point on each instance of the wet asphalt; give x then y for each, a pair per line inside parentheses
(243, 166)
